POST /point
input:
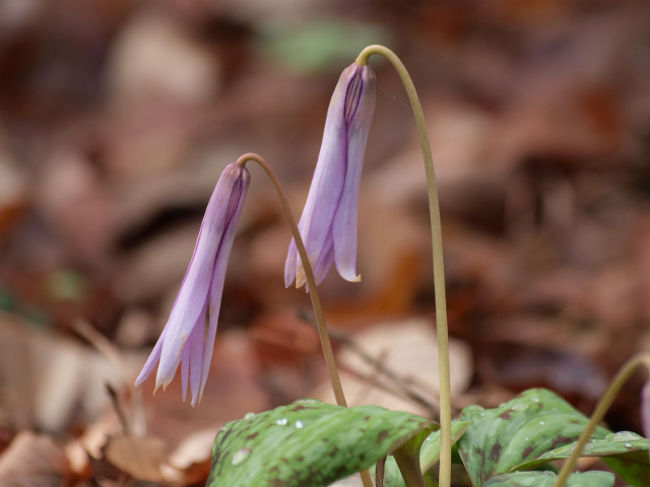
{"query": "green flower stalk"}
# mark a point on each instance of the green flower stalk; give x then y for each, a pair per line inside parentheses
(444, 478)
(640, 360)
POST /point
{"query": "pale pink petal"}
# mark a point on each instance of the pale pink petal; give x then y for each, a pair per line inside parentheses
(329, 217)
(184, 334)
(152, 360)
(346, 216)
(185, 371)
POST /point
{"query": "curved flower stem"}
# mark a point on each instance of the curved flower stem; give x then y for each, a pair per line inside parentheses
(444, 478)
(313, 288)
(642, 359)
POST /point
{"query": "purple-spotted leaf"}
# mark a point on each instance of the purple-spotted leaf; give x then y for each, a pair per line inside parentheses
(625, 452)
(307, 444)
(547, 479)
(518, 431)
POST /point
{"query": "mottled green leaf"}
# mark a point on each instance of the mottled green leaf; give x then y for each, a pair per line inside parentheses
(500, 439)
(612, 444)
(625, 452)
(632, 467)
(307, 444)
(547, 479)
(430, 452)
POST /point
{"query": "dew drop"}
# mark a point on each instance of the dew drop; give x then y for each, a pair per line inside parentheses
(240, 456)
(534, 399)
(281, 422)
(299, 424)
(526, 439)
(542, 423)
(628, 444)
(482, 414)
(249, 415)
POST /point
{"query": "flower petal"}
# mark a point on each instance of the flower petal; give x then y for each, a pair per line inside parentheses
(183, 336)
(345, 219)
(327, 183)
(219, 274)
(152, 360)
(195, 348)
(185, 370)
(290, 264)
(193, 293)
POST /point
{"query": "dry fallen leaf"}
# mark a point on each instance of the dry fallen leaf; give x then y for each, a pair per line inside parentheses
(33, 461)
(142, 458)
(408, 350)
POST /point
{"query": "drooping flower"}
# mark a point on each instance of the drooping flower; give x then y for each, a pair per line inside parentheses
(188, 337)
(328, 224)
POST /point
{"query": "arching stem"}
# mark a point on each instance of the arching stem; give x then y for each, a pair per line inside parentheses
(313, 288)
(444, 478)
(605, 402)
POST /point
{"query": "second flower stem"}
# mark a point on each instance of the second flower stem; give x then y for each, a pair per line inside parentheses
(313, 288)
(444, 478)
(642, 359)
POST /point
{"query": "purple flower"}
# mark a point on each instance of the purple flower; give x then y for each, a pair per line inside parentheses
(188, 336)
(328, 224)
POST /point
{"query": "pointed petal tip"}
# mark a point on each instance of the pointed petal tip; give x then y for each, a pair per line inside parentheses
(197, 399)
(301, 277)
(164, 385)
(288, 281)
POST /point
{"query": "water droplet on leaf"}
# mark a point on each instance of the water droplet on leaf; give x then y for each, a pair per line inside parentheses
(299, 424)
(240, 456)
(249, 415)
(281, 422)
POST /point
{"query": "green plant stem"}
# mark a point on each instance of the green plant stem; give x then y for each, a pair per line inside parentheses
(444, 478)
(605, 402)
(313, 288)
(409, 467)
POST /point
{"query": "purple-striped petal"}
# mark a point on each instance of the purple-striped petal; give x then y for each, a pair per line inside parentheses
(151, 361)
(219, 273)
(359, 112)
(193, 293)
(185, 371)
(182, 340)
(195, 350)
(347, 122)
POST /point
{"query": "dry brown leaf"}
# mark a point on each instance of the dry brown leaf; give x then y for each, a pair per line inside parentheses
(408, 349)
(33, 461)
(140, 457)
(154, 57)
(59, 381)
